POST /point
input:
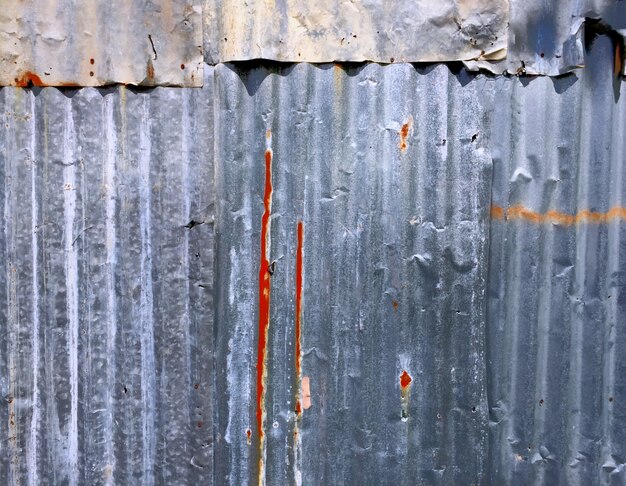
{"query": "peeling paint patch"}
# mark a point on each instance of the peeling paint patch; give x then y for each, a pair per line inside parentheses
(306, 392)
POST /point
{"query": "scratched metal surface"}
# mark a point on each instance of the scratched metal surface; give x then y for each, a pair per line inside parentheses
(394, 267)
(557, 285)
(101, 42)
(105, 296)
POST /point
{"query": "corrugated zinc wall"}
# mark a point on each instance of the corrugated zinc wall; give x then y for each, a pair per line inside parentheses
(418, 278)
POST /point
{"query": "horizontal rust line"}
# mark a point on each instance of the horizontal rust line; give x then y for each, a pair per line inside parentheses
(519, 212)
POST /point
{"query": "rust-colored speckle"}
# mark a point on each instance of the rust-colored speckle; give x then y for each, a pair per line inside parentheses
(404, 134)
(92, 61)
(395, 305)
(91, 73)
(196, 386)
(249, 436)
(28, 79)
(182, 66)
(199, 425)
(405, 379)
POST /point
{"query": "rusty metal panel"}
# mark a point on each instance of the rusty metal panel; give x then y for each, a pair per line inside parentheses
(326, 31)
(95, 43)
(547, 38)
(106, 278)
(351, 234)
(557, 279)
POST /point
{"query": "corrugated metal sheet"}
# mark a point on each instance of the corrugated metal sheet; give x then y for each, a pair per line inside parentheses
(433, 261)
(395, 210)
(557, 280)
(548, 37)
(94, 43)
(325, 31)
(106, 353)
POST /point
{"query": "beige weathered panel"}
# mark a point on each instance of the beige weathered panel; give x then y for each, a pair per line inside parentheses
(99, 42)
(374, 30)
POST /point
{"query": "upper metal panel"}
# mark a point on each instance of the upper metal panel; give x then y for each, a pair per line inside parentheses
(325, 31)
(94, 43)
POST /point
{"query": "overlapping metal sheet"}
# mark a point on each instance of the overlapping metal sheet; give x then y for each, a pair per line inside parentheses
(95, 43)
(106, 353)
(557, 279)
(326, 31)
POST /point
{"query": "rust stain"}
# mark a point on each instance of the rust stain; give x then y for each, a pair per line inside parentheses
(264, 302)
(298, 323)
(405, 388)
(150, 70)
(29, 79)
(519, 212)
(395, 305)
(404, 134)
(249, 436)
(405, 380)
(617, 60)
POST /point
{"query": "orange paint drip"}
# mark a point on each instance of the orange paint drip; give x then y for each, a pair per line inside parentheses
(264, 305)
(519, 212)
(298, 352)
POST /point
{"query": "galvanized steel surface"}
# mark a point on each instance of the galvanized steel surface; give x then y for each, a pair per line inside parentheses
(453, 329)
(106, 353)
(395, 209)
(325, 31)
(557, 279)
(95, 43)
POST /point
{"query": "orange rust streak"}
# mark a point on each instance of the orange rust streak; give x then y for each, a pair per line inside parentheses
(405, 379)
(264, 296)
(298, 362)
(519, 212)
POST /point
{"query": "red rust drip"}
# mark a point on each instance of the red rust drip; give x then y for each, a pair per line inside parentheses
(405, 380)
(298, 359)
(264, 303)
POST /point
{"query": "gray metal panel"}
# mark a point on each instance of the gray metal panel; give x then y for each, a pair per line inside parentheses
(105, 295)
(100, 42)
(395, 246)
(557, 325)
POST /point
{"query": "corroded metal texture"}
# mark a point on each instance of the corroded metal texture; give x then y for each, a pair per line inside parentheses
(557, 279)
(393, 207)
(419, 278)
(548, 37)
(325, 31)
(106, 353)
(95, 43)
